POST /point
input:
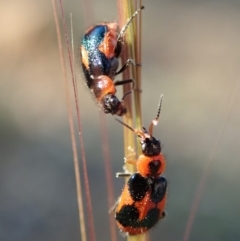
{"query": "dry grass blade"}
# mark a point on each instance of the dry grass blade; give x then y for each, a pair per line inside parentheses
(71, 125)
(86, 182)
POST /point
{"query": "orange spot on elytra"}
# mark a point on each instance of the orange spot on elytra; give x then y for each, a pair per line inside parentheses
(84, 54)
(108, 44)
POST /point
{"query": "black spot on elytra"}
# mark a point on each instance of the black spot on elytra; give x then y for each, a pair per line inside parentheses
(158, 189)
(137, 186)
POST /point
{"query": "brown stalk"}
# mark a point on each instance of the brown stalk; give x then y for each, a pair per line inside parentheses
(92, 236)
(71, 125)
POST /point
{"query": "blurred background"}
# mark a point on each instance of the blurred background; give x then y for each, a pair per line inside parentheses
(191, 55)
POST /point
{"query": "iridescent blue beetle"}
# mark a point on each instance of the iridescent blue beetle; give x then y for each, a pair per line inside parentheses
(100, 48)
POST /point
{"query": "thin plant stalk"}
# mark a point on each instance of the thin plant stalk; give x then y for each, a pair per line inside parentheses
(92, 235)
(71, 125)
(136, 52)
(137, 74)
(123, 7)
(131, 51)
